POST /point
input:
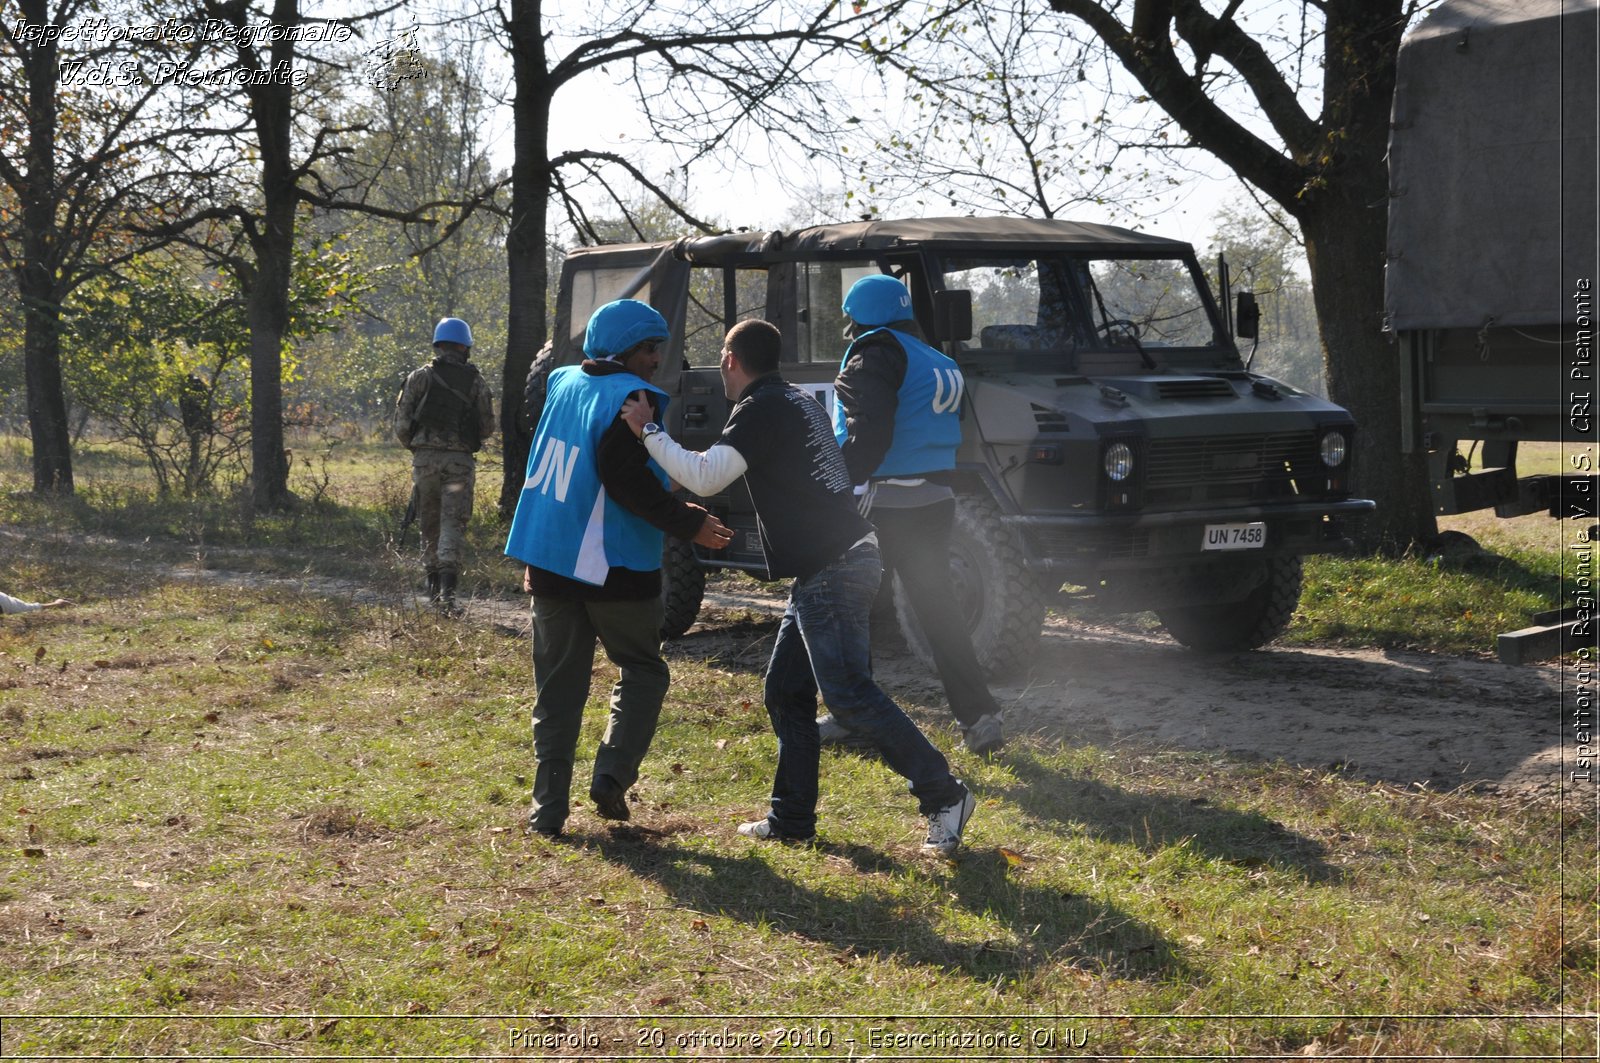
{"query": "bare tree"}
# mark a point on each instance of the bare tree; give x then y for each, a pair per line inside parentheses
(1240, 94)
(295, 139)
(703, 73)
(988, 109)
(86, 160)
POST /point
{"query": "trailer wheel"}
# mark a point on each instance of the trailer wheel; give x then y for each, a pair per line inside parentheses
(1230, 627)
(997, 594)
(683, 587)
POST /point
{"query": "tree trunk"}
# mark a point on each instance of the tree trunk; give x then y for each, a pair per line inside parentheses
(527, 324)
(37, 277)
(267, 312)
(1343, 213)
(1344, 245)
(47, 404)
(267, 309)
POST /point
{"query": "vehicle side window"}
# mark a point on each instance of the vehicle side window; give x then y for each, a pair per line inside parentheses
(1018, 304)
(705, 316)
(592, 289)
(819, 334)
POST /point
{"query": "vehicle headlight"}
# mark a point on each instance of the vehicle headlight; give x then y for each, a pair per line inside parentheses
(1119, 461)
(1335, 448)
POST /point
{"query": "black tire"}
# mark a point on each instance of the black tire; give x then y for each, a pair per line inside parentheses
(533, 389)
(683, 587)
(991, 581)
(1254, 621)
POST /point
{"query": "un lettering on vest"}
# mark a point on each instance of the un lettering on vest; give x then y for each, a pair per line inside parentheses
(556, 464)
(948, 386)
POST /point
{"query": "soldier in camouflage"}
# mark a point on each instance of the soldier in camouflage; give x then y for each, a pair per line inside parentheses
(443, 416)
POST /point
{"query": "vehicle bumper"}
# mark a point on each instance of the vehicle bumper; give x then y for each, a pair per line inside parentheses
(1066, 542)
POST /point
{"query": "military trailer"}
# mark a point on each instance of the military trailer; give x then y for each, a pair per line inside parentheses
(1114, 441)
(1491, 250)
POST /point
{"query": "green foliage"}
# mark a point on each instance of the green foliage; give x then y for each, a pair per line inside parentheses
(1447, 603)
(1265, 256)
(159, 354)
(312, 802)
(421, 146)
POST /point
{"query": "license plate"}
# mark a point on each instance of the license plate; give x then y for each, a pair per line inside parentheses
(1235, 536)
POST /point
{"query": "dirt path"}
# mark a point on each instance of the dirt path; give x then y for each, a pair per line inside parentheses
(1397, 717)
(1391, 716)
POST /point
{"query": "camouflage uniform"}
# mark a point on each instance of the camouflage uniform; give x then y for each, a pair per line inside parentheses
(443, 415)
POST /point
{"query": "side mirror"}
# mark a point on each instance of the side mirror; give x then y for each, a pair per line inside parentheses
(952, 314)
(1247, 317)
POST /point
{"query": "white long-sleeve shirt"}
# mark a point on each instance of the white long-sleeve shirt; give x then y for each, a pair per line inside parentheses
(9, 604)
(702, 473)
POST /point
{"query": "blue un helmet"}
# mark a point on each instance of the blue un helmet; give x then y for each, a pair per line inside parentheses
(877, 300)
(452, 330)
(618, 326)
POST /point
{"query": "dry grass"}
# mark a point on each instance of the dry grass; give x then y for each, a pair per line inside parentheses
(247, 819)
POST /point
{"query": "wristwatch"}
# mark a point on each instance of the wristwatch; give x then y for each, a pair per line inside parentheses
(648, 430)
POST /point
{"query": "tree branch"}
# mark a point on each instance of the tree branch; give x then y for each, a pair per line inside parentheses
(1149, 56)
(585, 159)
(1224, 37)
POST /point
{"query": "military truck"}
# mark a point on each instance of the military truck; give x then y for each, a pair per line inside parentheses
(1491, 252)
(1114, 441)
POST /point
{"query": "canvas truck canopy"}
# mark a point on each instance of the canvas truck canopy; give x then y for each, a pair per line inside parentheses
(875, 236)
(1492, 165)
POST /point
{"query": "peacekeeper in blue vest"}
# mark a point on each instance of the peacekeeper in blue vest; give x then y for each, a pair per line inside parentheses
(897, 416)
(589, 527)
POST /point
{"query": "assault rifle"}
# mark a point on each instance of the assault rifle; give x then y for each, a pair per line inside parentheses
(409, 519)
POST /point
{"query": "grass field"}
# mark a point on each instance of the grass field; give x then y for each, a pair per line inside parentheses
(250, 821)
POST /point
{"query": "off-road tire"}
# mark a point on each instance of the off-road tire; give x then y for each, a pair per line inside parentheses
(683, 587)
(999, 596)
(1232, 627)
(534, 389)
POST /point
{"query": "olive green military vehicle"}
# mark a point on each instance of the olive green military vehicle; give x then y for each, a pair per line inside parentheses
(1114, 441)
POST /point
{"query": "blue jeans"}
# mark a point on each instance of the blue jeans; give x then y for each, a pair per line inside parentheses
(822, 646)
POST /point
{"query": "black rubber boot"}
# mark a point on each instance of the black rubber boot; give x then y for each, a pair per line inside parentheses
(447, 590)
(433, 586)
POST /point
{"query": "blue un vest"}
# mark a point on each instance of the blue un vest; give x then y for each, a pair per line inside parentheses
(565, 522)
(927, 416)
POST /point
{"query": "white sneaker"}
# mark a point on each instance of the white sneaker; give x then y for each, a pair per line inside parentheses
(762, 829)
(985, 736)
(945, 826)
(833, 733)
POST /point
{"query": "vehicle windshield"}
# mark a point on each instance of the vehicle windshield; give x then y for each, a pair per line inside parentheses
(1043, 302)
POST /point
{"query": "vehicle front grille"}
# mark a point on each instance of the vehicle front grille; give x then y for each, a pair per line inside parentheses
(1113, 544)
(1236, 468)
